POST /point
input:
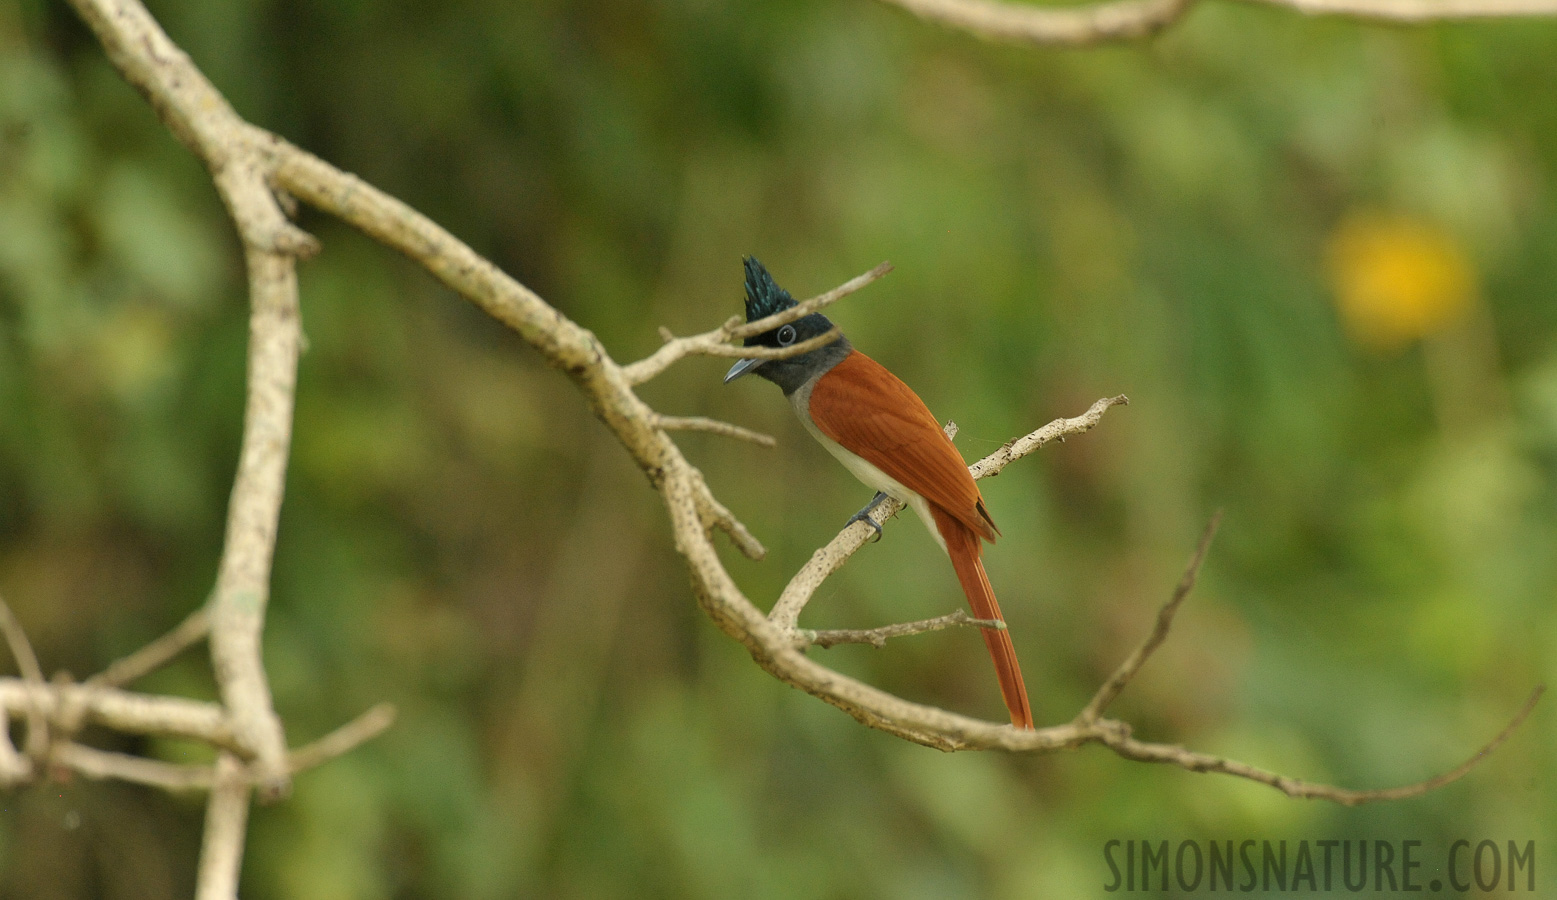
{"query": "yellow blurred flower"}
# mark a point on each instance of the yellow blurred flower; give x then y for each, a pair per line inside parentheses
(1397, 279)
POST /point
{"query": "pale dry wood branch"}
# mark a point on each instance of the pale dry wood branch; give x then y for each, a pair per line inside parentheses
(226, 825)
(1417, 12)
(68, 705)
(1118, 20)
(156, 654)
(14, 768)
(103, 765)
(824, 562)
(714, 426)
(1127, 670)
(1119, 741)
(21, 647)
(716, 515)
(806, 307)
(1066, 26)
(717, 342)
(200, 116)
(878, 637)
(237, 606)
(36, 742)
(373, 721)
(677, 349)
(182, 777)
(1058, 430)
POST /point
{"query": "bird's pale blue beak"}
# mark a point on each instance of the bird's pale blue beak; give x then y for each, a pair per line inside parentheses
(741, 368)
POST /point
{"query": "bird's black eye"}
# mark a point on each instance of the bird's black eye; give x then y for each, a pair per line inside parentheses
(786, 335)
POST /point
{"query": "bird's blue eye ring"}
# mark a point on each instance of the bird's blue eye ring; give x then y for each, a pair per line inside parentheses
(786, 335)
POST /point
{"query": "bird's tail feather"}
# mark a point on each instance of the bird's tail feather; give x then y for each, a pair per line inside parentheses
(963, 546)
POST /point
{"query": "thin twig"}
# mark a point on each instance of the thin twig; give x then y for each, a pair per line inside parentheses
(21, 647)
(1118, 740)
(156, 654)
(878, 637)
(14, 768)
(714, 426)
(104, 764)
(1159, 633)
(125, 711)
(806, 307)
(736, 351)
(1059, 430)
(715, 514)
(36, 742)
(370, 724)
(1416, 12)
(718, 341)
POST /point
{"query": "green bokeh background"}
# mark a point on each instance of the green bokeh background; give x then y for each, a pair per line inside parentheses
(461, 538)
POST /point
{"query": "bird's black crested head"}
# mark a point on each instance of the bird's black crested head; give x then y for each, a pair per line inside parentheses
(763, 295)
(764, 298)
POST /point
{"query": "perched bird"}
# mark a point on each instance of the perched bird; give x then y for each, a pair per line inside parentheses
(883, 433)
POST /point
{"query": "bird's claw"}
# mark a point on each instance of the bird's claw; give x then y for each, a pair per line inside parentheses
(864, 516)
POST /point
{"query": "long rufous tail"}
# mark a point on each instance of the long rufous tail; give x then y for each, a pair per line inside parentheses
(963, 546)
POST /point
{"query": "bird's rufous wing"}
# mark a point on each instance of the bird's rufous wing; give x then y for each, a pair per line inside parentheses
(874, 415)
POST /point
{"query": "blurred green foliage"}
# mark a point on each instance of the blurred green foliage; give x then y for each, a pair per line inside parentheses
(1159, 219)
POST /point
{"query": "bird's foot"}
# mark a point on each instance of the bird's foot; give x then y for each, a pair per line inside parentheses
(864, 515)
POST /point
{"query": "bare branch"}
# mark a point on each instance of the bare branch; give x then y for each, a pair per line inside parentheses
(178, 777)
(37, 740)
(1017, 23)
(201, 117)
(103, 765)
(806, 307)
(1120, 20)
(1132, 664)
(21, 648)
(714, 426)
(1415, 12)
(14, 768)
(824, 562)
(717, 342)
(878, 637)
(370, 724)
(1059, 430)
(243, 578)
(677, 349)
(156, 654)
(121, 710)
(226, 822)
(716, 515)
(1119, 740)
